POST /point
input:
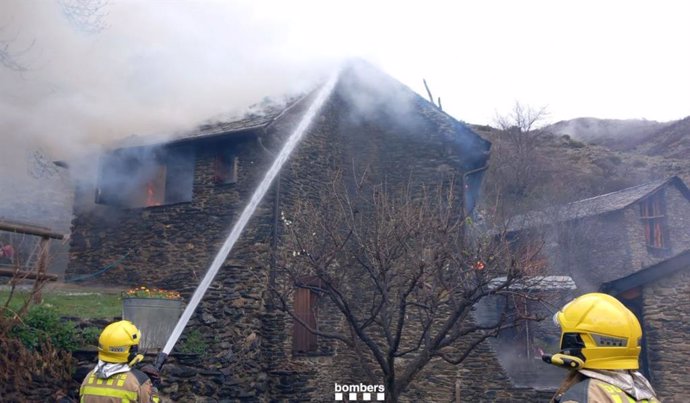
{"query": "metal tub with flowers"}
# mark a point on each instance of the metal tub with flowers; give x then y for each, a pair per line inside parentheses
(154, 311)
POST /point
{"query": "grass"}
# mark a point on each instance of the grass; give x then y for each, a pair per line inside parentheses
(85, 305)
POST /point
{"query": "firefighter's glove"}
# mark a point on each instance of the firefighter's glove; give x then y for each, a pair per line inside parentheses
(153, 374)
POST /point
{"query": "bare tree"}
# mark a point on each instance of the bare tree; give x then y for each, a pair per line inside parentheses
(518, 168)
(401, 273)
(12, 57)
(522, 125)
(85, 15)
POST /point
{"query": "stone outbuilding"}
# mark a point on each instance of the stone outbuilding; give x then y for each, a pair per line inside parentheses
(633, 244)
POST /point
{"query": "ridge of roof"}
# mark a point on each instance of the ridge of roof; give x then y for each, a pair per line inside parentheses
(268, 114)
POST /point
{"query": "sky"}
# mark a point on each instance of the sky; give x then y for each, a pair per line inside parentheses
(152, 67)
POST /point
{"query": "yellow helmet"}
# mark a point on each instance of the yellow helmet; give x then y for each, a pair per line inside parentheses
(598, 332)
(118, 342)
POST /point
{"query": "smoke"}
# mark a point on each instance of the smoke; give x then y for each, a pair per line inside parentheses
(154, 67)
(150, 69)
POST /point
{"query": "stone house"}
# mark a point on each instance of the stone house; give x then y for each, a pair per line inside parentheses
(633, 244)
(159, 212)
(660, 296)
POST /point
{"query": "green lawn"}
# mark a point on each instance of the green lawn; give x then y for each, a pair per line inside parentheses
(80, 304)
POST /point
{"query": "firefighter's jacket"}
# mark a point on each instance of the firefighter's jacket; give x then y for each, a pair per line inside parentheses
(601, 386)
(117, 385)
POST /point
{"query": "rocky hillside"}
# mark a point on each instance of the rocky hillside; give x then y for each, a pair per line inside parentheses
(666, 139)
(608, 132)
(670, 141)
(565, 169)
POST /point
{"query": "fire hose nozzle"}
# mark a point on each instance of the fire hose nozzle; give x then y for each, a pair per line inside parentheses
(563, 360)
(137, 359)
(160, 360)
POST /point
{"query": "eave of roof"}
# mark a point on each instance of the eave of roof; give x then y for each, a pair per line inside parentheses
(245, 126)
(649, 274)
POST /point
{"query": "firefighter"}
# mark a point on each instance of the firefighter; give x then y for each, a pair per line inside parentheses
(113, 379)
(600, 345)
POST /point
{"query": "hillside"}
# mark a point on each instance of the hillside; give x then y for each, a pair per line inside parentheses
(670, 141)
(612, 133)
(565, 169)
(667, 139)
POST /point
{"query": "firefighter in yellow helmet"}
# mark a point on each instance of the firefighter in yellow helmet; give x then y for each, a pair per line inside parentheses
(114, 379)
(600, 345)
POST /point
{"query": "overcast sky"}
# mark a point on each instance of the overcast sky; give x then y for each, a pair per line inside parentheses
(157, 66)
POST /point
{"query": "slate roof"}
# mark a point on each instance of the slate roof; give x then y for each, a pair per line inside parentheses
(251, 121)
(537, 283)
(593, 206)
(472, 145)
(247, 123)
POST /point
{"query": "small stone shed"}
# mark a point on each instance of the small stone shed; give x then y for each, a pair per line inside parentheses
(660, 295)
(159, 212)
(633, 244)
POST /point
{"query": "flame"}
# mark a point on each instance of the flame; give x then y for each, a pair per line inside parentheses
(151, 199)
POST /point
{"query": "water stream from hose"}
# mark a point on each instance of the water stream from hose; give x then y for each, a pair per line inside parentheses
(237, 229)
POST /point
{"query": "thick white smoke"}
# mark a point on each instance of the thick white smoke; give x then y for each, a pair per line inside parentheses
(155, 67)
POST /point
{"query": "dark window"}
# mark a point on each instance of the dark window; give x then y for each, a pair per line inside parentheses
(179, 179)
(653, 214)
(305, 308)
(225, 168)
(146, 177)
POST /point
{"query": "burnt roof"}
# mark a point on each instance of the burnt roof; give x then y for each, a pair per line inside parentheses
(265, 115)
(649, 274)
(594, 206)
(251, 121)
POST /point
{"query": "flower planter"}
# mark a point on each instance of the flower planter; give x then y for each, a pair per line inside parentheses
(155, 317)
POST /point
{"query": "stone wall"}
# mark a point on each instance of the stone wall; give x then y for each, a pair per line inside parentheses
(667, 325)
(481, 378)
(171, 247)
(591, 250)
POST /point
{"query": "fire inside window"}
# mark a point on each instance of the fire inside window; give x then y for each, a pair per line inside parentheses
(144, 177)
(653, 215)
(155, 188)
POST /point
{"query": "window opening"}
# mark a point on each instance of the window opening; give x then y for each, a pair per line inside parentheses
(146, 177)
(225, 168)
(653, 215)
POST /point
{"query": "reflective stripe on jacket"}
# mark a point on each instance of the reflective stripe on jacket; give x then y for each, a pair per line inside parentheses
(126, 387)
(597, 391)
